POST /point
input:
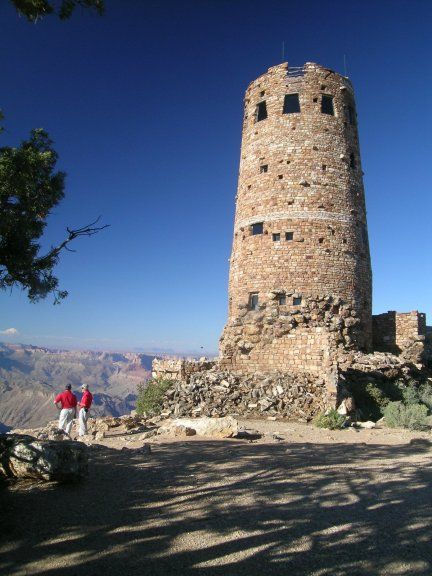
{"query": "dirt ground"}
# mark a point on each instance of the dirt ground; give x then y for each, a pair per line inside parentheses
(299, 501)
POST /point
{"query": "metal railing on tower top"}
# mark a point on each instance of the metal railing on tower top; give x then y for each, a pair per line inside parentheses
(295, 71)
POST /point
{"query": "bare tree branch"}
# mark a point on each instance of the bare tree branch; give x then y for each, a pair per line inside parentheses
(87, 230)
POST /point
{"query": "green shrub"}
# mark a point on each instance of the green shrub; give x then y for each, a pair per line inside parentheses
(425, 393)
(151, 395)
(411, 416)
(410, 395)
(377, 396)
(331, 420)
(372, 397)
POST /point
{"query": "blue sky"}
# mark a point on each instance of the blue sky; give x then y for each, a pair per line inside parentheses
(145, 108)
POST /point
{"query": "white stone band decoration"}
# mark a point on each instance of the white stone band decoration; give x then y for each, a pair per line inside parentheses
(296, 215)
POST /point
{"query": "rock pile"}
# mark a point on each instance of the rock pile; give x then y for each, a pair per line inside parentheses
(219, 393)
(383, 366)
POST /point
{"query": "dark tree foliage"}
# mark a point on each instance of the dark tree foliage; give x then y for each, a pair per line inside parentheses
(34, 10)
(29, 189)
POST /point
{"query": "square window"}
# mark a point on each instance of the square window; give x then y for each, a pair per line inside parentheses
(327, 105)
(280, 176)
(257, 228)
(263, 168)
(282, 299)
(289, 235)
(291, 104)
(297, 301)
(253, 301)
(261, 111)
(276, 237)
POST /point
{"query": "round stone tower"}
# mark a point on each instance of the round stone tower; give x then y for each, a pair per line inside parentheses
(300, 273)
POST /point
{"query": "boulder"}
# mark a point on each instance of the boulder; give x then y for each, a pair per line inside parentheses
(347, 406)
(368, 425)
(226, 427)
(23, 456)
(184, 431)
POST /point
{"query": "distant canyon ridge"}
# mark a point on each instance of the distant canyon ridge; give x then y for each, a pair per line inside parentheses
(31, 376)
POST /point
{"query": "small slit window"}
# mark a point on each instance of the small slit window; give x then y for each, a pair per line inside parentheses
(352, 161)
(297, 301)
(261, 111)
(263, 168)
(282, 299)
(351, 115)
(289, 236)
(276, 237)
(257, 228)
(327, 104)
(253, 301)
(291, 104)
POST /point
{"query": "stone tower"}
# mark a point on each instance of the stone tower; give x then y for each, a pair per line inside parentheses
(300, 273)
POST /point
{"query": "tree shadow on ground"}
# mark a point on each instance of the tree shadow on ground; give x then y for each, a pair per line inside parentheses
(223, 507)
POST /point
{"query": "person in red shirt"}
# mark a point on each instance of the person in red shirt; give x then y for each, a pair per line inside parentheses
(66, 402)
(84, 405)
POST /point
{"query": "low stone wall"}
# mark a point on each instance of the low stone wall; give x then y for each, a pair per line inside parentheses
(178, 369)
(400, 333)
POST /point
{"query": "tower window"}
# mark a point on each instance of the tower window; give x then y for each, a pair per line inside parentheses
(263, 168)
(257, 228)
(291, 104)
(289, 235)
(297, 301)
(352, 162)
(253, 301)
(261, 111)
(282, 299)
(276, 237)
(327, 105)
(351, 115)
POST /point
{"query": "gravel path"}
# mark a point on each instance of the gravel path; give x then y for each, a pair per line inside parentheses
(314, 503)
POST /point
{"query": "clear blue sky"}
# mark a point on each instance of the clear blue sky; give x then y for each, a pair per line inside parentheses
(145, 107)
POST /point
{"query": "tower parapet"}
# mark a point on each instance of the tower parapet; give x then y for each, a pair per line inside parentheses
(300, 273)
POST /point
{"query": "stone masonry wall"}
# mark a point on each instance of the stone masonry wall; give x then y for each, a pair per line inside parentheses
(310, 338)
(400, 333)
(300, 177)
(178, 369)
